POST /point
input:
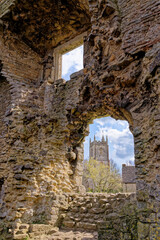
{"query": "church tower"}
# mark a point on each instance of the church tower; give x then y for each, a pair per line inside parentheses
(99, 150)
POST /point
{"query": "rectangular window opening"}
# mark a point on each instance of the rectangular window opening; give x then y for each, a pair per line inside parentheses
(72, 62)
(68, 58)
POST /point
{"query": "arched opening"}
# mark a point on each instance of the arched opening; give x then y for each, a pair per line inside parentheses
(109, 156)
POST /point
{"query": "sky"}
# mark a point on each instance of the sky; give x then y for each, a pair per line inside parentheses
(72, 62)
(121, 142)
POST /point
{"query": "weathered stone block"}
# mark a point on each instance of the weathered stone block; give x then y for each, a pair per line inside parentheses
(143, 231)
(88, 226)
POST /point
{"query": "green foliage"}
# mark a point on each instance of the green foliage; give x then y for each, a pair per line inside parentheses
(26, 238)
(102, 178)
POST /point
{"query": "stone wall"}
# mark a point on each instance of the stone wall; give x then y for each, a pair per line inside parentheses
(112, 216)
(123, 74)
(38, 160)
(104, 216)
(48, 121)
(129, 187)
(21, 68)
(5, 99)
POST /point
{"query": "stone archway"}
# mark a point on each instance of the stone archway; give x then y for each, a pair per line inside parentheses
(124, 84)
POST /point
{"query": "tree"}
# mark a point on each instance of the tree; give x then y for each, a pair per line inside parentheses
(99, 177)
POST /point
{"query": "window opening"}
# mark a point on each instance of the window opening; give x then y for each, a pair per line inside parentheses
(111, 143)
(68, 58)
(72, 62)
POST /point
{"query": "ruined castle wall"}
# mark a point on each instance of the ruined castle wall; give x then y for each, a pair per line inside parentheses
(103, 213)
(39, 157)
(5, 100)
(125, 69)
(20, 63)
(20, 68)
(48, 120)
(140, 24)
(104, 216)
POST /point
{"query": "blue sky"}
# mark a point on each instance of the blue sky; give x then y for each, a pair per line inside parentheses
(121, 143)
(72, 62)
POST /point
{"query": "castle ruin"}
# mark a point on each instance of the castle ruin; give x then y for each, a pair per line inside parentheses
(44, 119)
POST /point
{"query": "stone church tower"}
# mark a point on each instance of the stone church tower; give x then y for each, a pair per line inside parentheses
(99, 150)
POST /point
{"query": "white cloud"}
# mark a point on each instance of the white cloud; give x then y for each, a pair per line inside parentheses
(123, 123)
(119, 160)
(72, 59)
(113, 134)
(112, 122)
(104, 121)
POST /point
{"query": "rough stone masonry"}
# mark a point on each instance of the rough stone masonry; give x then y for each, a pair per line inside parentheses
(44, 120)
